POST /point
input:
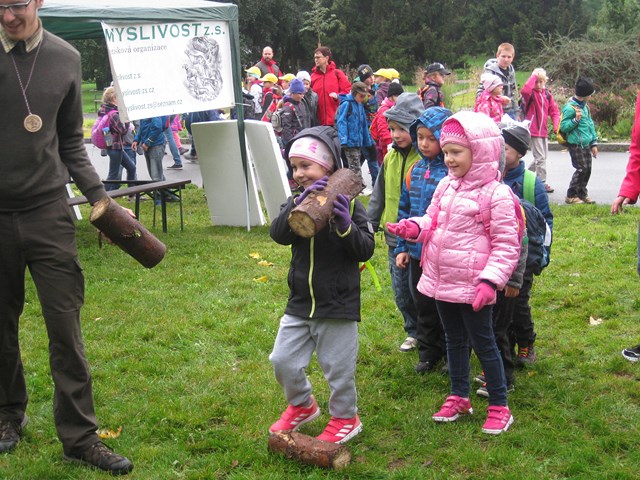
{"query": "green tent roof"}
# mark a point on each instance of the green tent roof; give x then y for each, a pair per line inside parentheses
(77, 19)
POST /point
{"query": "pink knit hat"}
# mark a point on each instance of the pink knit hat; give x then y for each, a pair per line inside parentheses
(490, 81)
(453, 132)
(314, 150)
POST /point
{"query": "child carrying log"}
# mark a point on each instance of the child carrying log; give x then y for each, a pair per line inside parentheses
(324, 302)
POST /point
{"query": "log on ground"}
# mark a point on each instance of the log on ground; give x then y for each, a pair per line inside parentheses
(315, 211)
(127, 232)
(310, 450)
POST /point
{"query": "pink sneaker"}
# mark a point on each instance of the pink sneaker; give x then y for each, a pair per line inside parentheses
(453, 407)
(499, 419)
(341, 430)
(293, 417)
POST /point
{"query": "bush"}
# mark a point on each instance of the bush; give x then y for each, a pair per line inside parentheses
(605, 107)
(610, 60)
(622, 129)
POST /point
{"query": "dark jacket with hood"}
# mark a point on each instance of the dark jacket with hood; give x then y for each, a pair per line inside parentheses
(324, 275)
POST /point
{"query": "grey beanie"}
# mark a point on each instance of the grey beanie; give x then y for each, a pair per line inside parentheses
(408, 107)
(517, 137)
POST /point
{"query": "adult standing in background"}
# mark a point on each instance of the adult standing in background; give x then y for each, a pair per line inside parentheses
(267, 64)
(42, 140)
(328, 82)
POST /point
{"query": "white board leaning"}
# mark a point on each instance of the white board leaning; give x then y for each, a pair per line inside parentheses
(170, 68)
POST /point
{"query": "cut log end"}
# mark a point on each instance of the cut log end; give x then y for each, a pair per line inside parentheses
(302, 224)
(315, 211)
(127, 232)
(310, 450)
(99, 208)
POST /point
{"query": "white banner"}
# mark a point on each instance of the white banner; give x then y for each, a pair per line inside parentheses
(170, 68)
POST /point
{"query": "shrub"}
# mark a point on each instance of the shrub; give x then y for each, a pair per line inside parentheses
(610, 60)
(622, 129)
(605, 107)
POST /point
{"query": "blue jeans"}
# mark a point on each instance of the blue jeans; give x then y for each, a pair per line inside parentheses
(463, 326)
(173, 148)
(401, 287)
(154, 156)
(117, 160)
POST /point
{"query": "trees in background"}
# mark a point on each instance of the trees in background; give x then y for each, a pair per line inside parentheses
(405, 34)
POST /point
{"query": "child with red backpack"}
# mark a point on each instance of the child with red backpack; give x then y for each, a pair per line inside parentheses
(379, 127)
(471, 234)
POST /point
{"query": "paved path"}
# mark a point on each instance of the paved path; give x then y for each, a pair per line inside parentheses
(189, 170)
(607, 173)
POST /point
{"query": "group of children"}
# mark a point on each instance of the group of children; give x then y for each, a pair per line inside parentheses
(451, 196)
(496, 96)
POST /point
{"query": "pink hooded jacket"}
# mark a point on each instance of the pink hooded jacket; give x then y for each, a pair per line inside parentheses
(630, 187)
(459, 253)
(541, 107)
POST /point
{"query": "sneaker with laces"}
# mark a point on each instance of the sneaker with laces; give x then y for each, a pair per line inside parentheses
(483, 392)
(632, 354)
(409, 344)
(526, 356)
(573, 200)
(453, 407)
(480, 378)
(341, 430)
(294, 417)
(11, 432)
(499, 419)
(101, 457)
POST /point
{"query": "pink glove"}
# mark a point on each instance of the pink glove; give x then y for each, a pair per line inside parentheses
(485, 294)
(407, 229)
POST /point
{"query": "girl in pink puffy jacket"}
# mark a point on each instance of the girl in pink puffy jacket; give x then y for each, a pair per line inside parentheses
(471, 244)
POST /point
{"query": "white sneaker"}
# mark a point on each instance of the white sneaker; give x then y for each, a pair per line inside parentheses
(409, 344)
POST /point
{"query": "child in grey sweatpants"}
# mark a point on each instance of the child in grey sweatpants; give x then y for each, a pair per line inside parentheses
(324, 301)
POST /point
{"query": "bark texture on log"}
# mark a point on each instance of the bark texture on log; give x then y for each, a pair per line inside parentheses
(315, 211)
(127, 232)
(310, 450)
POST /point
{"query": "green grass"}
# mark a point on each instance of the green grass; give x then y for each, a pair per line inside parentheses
(179, 355)
(89, 94)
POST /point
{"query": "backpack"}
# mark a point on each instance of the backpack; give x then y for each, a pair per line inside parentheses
(276, 118)
(100, 134)
(269, 111)
(538, 232)
(335, 116)
(524, 107)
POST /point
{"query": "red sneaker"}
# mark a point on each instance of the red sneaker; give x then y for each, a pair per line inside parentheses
(341, 430)
(452, 408)
(293, 417)
(499, 419)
